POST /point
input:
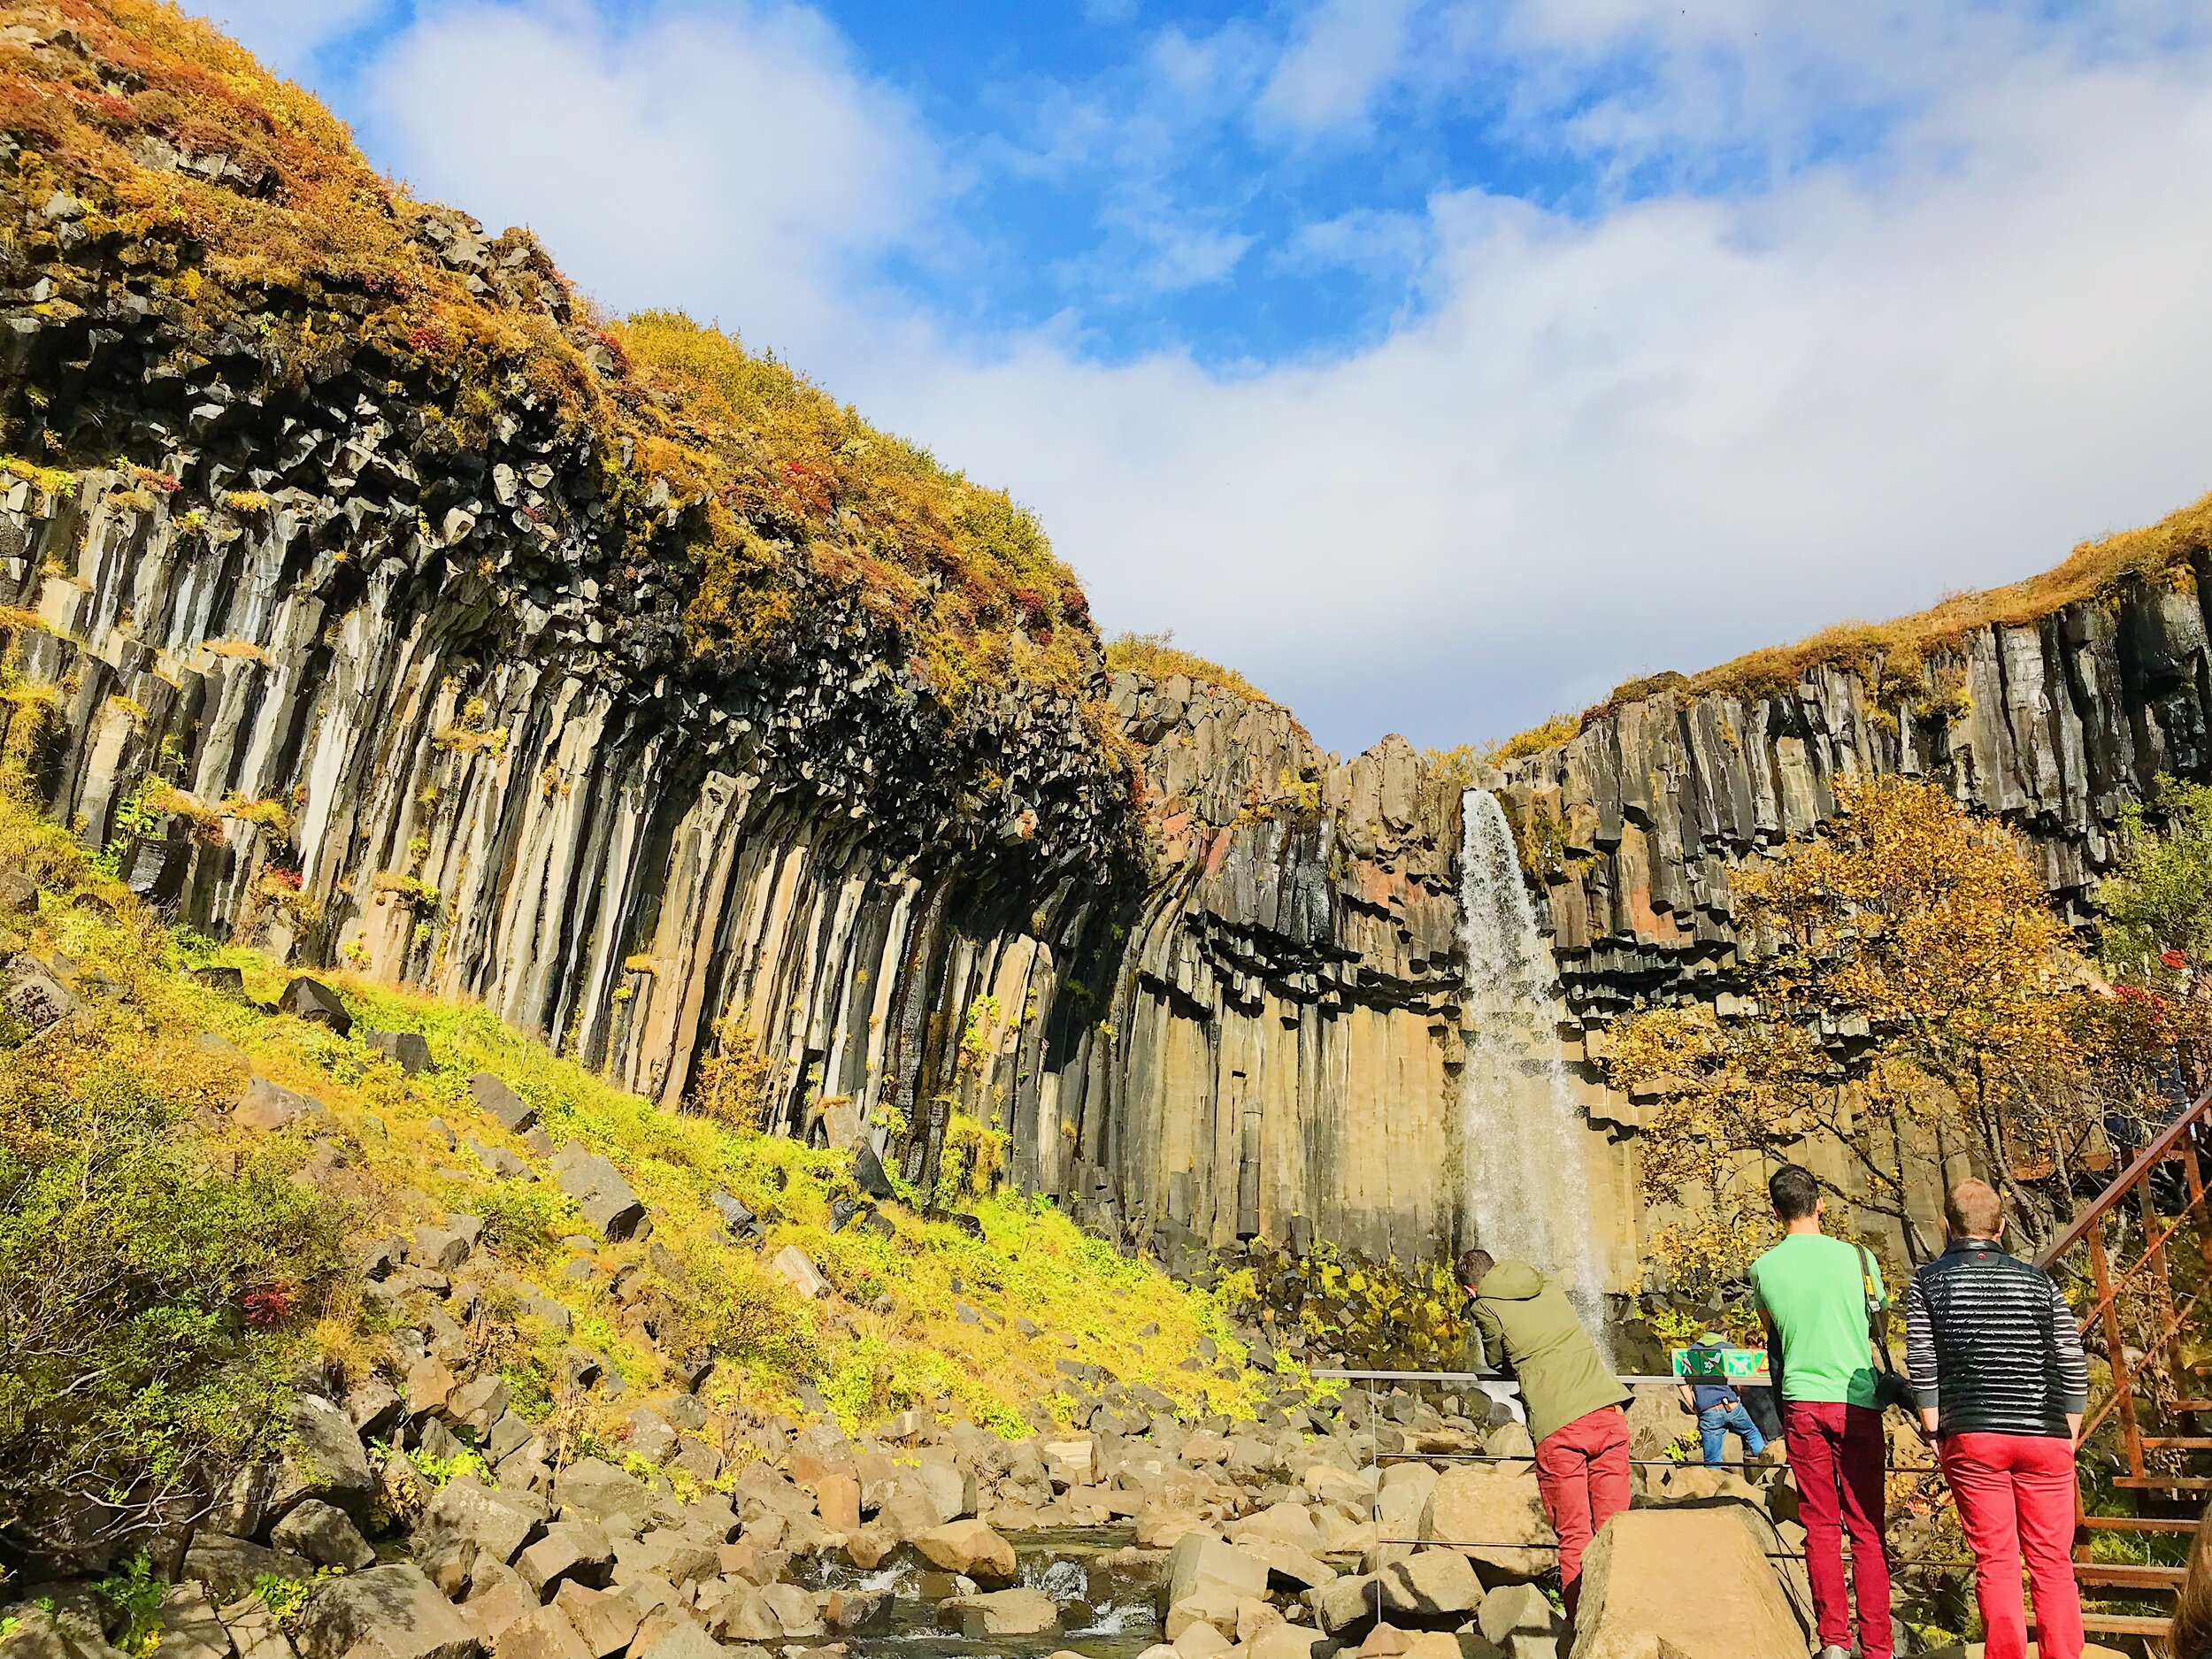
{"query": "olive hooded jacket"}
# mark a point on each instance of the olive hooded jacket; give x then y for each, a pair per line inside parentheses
(1522, 1318)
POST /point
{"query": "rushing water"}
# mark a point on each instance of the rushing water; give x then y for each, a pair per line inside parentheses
(1108, 1609)
(1527, 1190)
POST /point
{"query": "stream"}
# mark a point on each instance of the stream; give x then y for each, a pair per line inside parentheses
(1107, 1607)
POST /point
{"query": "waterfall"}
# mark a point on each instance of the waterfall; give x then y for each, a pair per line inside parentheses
(1526, 1192)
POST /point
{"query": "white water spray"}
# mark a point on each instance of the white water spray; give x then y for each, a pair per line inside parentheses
(1527, 1192)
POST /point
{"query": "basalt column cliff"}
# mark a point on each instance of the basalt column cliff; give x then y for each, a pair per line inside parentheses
(366, 598)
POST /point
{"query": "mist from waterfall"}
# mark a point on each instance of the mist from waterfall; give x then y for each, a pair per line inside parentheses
(1527, 1190)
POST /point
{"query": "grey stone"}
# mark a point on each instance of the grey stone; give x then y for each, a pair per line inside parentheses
(322, 1458)
(577, 1550)
(390, 1612)
(325, 1534)
(409, 1048)
(228, 1566)
(266, 1107)
(600, 1192)
(513, 1113)
(312, 1001)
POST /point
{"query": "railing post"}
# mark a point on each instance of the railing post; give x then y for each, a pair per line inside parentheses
(2115, 1348)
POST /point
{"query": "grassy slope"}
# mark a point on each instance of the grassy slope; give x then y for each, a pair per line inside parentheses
(889, 1334)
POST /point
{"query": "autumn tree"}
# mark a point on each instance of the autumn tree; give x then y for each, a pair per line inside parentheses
(1913, 994)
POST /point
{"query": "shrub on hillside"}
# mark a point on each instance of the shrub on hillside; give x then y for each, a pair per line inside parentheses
(146, 1293)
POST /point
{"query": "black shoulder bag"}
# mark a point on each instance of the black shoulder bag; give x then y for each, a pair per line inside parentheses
(1891, 1388)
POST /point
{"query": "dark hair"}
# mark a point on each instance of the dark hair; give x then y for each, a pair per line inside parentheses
(1473, 1264)
(1793, 1192)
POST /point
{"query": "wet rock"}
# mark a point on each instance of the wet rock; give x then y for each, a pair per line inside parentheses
(970, 1548)
(1018, 1612)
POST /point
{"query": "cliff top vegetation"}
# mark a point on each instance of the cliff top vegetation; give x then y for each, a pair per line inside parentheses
(244, 205)
(1155, 656)
(1897, 656)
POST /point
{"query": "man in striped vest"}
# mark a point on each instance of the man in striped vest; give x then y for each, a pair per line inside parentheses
(2000, 1379)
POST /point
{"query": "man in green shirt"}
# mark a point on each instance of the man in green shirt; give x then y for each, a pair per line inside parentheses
(1814, 1291)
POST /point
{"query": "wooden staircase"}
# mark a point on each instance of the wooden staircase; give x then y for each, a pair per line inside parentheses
(2136, 1312)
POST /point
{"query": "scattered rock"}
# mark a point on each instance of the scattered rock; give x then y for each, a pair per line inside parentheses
(391, 1612)
(798, 1270)
(266, 1107)
(1018, 1612)
(599, 1190)
(325, 1535)
(316, 1004)
(409, 1048)
(513, 1113)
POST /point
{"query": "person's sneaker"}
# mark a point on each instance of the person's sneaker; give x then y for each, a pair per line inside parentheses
(1833, 1652)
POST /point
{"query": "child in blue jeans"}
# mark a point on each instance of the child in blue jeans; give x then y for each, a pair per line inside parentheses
(1719, 1410)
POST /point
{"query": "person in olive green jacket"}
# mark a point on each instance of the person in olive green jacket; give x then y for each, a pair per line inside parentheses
(1522, 1320)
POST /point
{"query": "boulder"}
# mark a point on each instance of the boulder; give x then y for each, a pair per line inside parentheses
(574, 1550)
(592, 1489)
(797, 1269)
(970, 1548)
(391, 1612)
(1431, 1583)
(1200, 1562)
(253, 1630)
(1656, 1421)
(600, 1191)
(322, 1458)
(679, 1639)
(409, 1048)
(1495, 1516)
(469, 1523)
(544, 1633)
(325, 1535)
(189, 1627)
(316, 1004)
(437, 1248)
(607, 1624)
(1516, 1609)
(1694, 1576)
(1346, 1604)
(265, 1107)
(498, 1598)
(1019, 1612)
(513, 1113)
(794, 1608)
(35, 997)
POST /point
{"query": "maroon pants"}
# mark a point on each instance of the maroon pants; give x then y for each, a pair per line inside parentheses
(1836, 1457)
(1582, 1473)
(2015, 1495)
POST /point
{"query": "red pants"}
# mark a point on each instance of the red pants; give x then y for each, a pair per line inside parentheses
(1836, 1457)
(1582, 1473)
(2015, 1494)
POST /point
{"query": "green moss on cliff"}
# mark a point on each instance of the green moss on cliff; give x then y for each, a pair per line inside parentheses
(785, 497)
(1155, 655)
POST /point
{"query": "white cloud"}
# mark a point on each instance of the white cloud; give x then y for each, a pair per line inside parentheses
(728, 158)
(1652, 436)
(286, 34)
(1344, 51)
(1680, 430)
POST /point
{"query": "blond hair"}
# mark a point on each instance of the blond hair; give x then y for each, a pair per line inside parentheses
(2189, 1636)
(1974, 1210)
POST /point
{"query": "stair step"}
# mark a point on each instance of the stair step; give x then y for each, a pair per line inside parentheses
(2163, 1483)
(2124, 1625)
(2193, 1405)
(2129, 1575)
(2139, 1524)
(2177, 1442)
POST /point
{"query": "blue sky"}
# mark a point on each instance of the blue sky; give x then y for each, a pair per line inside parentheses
(1439, 363)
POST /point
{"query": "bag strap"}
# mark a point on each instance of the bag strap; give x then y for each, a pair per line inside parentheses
(1873, 1314)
